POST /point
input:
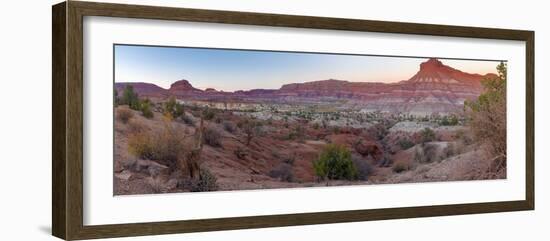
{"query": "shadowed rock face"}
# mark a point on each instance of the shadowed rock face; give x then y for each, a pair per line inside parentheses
(435, 88)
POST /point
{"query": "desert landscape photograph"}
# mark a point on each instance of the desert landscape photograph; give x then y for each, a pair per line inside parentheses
(202, 119)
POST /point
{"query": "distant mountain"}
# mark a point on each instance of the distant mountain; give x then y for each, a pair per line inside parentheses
(182, 87)
(435, 88)
(143, 89)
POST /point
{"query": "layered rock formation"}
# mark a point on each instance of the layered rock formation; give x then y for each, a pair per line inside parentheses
(435, 88)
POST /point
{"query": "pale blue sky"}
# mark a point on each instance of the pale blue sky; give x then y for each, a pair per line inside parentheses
(231, 70)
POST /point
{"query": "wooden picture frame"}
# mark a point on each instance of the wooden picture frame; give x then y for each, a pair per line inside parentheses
(67, 124)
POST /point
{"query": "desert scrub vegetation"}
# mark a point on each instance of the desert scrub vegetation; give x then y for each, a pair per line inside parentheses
(451, 120)
(167, 145)
(229, 126)
(240, 153)
(130, 98)
(364, 169)
(173, 108)
(208, 113)
(251, 128)
(124, 114)
(136, 126)
(146, 108)
(283, 172)
(487, 119)
(426, 153)
(427, 135)
(379, 130)
(298, 133)
(400, 166)
(212, 136)
(405, 143)
(453, 149)
(207, 182)
(187, 119)
(335, 163)
(464, 137)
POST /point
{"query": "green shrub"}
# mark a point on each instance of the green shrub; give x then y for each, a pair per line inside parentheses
(130, 98)
(427, 135)
(487, 118)
(207, 182)
(146, 109)
(208, 113)
(335, 163)
(405, 143)
(451, 120)
(173, 108)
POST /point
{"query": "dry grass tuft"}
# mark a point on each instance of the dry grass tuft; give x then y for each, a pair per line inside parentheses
(124, 114)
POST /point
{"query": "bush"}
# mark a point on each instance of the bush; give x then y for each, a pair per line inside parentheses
(135, 126)
(449, 121)
(207, 182)
(405, 144)
(464, 137)
(427, 135)
(298, 133)
(335, 163)
(124, 114)
(173, 108)
(426, 153)
(212, 137)
(130, 98)
(208, 113)
(399, 167)
(364, 169)
(116, 99)
(142, 145)
(250, 128)
(316, 126)
(290, 158)
(146, 109)
(283, 171)
(166, 146)
(188, 120)
(450, 150)
(487, 114)
(378, 131)
(229, 126)
(240, 153)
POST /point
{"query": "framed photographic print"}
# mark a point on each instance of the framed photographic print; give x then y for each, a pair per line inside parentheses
(171, 120)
